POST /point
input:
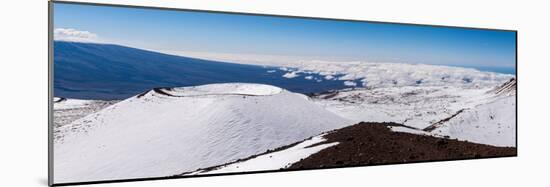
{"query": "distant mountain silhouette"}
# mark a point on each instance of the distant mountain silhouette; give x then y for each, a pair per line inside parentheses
(107, 71)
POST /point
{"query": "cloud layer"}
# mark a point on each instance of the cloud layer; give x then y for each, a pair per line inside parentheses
(73, 35)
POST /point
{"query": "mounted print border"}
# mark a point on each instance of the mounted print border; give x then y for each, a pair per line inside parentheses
(147, 93)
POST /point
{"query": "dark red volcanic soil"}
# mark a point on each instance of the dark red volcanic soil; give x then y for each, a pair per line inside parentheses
(375, 143)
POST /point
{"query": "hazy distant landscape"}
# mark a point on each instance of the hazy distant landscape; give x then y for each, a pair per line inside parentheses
(113, 72)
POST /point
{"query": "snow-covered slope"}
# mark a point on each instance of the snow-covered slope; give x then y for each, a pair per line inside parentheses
(415, 106)
(416, 95)
(66, 111)
(165, 132)
(492, 123)
(483, 115)
(275, 160)
(506, 89)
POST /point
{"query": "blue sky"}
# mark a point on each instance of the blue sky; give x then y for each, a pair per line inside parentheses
(245, 34)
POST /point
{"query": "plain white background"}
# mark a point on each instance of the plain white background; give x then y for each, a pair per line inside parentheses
(23, 94)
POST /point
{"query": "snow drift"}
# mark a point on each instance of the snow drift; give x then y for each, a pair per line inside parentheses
(169, 131)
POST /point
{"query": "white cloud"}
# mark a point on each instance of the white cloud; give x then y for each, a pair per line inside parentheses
(73, 35)
(350, 83)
